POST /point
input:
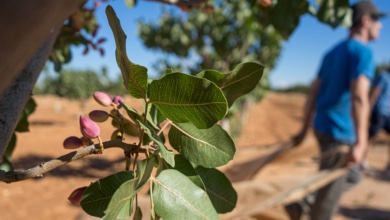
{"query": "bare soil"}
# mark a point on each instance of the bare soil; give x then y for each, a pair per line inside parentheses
(273, 120)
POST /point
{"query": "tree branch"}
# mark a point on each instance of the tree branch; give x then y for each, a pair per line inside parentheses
(38, 171)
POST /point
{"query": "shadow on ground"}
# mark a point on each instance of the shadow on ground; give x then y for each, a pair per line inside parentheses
(365, 213)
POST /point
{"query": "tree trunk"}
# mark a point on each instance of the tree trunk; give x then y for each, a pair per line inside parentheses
(16, 96)
(24, 26)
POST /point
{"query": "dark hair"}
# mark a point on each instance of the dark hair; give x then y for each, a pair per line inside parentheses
(364, 8)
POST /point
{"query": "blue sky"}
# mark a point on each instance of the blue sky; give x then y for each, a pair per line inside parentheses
(297, 64)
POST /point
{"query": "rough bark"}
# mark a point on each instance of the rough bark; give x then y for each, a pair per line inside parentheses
(16, 96)
(27, 34)
(24, 26)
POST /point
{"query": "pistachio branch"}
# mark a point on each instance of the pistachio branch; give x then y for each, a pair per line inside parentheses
(38, 171)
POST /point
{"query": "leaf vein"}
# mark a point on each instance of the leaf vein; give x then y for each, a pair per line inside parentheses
(180, 197)
(240, 79)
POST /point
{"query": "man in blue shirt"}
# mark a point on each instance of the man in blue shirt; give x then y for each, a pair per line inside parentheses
(338, 108)
(380, 105)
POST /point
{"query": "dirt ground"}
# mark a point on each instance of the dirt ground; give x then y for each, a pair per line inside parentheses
(269, 122)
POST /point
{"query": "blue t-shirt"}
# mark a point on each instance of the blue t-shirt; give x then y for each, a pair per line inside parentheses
(382, 104)
(341, 65)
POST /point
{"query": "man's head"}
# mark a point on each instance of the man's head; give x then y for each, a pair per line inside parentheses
(366, 16)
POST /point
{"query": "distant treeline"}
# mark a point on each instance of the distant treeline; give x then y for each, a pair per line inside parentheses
(299, 88)
(79, 84)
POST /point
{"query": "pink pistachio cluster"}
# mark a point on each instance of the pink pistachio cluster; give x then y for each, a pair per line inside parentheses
(89, 129)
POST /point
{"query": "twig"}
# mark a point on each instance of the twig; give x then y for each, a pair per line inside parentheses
(38, 171)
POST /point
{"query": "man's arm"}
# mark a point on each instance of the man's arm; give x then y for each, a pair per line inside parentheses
(374, 96)
(308, 111)
(360, 113)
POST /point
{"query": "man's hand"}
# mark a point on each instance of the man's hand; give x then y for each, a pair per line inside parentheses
(356, 155)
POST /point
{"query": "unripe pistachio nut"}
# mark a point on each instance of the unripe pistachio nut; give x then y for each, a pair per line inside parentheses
(75, 196)
(102, 98)
(89, 128)
(98, 115)
(117, 134)
(86, 141)
(117, 99)
(72, 142)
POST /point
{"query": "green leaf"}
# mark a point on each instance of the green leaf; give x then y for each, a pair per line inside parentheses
(130, 3)
(168, 71)
(185, 98)
(184, 166)
(240, 81)
(165, 153)
(29, 108)
(154, 116)
(97, 196)
(128, 126)
(131, 112)
(6, 164)
(218, 187)
(285, 15)
(335, 13)
(144, 169)
(120, 206)
(210, 147)
(175, 197)
(134, 76)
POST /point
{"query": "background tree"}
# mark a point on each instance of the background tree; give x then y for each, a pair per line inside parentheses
(379, 68)
(79, 84)
(228, 33)
(220, 39)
